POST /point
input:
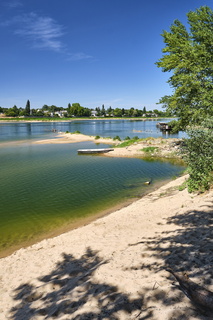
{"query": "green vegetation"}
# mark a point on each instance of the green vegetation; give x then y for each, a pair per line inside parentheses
(76, 132)
(182, 186)
(75, 110)
(198, 154)
(188, 54)
(128, 142)
(150, 149)
(117, 138)
(97, 137)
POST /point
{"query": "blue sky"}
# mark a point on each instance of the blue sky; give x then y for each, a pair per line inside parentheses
(89, 51)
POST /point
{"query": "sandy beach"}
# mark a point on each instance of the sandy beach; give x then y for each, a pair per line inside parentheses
(114, 267)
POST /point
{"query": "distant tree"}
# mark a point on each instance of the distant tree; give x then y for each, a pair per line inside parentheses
(188, 53)
(27, 109)
(118, 112)
(78, 111)
(12, 112)
(103, 112)
(98, 111)
(144, 110)
(45, 107)
(109, 111)
(156, 111)
(54, 108)
(131, 112)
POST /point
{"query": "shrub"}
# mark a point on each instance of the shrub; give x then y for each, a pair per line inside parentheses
(198, 154)
(127, 138)
(97, 137)
(117, 138)
(175, 125)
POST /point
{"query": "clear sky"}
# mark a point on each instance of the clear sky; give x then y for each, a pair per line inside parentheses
(92, 52)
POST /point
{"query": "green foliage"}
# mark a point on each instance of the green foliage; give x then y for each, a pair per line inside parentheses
(198, 154)
(76, 132)
(27, 109)
(135, 138)
(12, 112)
(175, 125)
(182, 186)
(97, 137)
(149, 149)
(127, 138)
(117, 138)
(77, 110)
(127, 143)
(189, 55)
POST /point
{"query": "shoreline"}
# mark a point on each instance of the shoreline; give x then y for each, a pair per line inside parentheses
(79, 119)
(116, 263)
(163, 148)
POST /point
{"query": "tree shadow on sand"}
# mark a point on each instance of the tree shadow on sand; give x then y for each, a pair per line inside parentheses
(69, 292)
(188, 250)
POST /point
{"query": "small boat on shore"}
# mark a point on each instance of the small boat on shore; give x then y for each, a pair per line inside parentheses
(90, 151)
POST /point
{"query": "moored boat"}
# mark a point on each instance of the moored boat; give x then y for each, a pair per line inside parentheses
(89, 151)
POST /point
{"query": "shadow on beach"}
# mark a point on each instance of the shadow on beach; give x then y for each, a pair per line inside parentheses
(188, 250)
(71, 292)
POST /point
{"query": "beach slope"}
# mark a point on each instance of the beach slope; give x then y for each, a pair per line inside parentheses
(115, 267)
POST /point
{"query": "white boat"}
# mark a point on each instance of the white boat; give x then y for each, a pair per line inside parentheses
(88, 151)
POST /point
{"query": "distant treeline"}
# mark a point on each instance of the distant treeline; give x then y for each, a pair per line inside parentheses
(76, 110)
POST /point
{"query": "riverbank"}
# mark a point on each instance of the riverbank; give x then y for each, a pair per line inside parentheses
(114, 267)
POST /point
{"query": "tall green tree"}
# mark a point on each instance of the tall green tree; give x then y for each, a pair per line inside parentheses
(103, 112)
(27, 109)
(188, 53)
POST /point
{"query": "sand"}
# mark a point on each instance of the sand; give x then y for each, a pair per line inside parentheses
(164, 148)
(114, 267)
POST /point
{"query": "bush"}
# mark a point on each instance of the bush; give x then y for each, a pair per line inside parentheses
(175, 125)
(97, 137)
(198, 153)
(127, 138)
(117, 138)
(76, 132)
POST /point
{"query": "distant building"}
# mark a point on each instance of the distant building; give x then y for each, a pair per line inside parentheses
(94, 113)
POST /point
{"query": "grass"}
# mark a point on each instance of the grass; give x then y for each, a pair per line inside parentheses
(150, 149)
